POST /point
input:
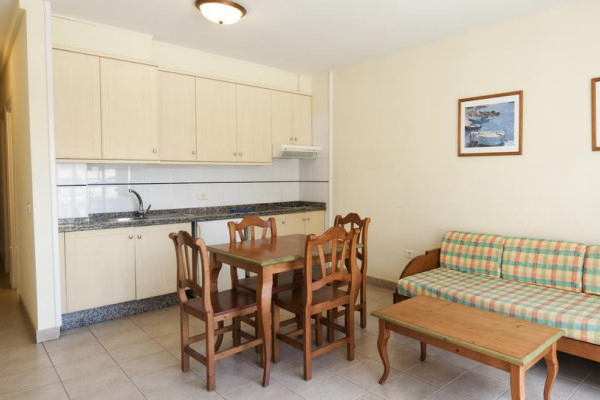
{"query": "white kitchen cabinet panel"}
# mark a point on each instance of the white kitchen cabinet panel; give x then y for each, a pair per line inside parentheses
(216, 121)
(100, 268)
(288, 224)
(129, 117)
(155, 263)
(282, 117)
(77, 120)
(63, 272)
(176, 117)
(302, 125)
(315, 222)
(253, 124)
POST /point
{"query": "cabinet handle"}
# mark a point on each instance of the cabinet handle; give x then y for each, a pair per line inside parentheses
(303, 219)
(291, 139)
(308, 219)
(139, 236)
(130, 236)
(235, 153)
(295, 139)
(283, 221)
(240, 153)
(194, 152)
(155, 150)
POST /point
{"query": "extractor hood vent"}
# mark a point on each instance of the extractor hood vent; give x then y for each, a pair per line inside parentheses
(295, 151)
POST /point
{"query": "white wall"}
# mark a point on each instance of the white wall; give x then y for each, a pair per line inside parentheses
(395, 137)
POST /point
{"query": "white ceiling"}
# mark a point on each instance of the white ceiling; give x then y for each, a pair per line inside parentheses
(303, 35)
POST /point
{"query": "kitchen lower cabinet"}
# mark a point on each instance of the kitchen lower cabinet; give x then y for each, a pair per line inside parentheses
(112, 266)
(100, 268)
(315, 222)
(155, 266)
(63, 271)
(304, 223)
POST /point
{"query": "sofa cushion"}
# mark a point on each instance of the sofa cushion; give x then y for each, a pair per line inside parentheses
(476, 253)
(544, 262)
(578, 314)
(591, 270)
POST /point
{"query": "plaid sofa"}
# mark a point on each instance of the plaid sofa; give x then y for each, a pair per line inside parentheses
(554, 283)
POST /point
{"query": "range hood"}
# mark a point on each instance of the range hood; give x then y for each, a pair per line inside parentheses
(295, 151)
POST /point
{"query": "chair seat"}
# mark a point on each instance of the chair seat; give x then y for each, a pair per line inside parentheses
(291, 300)
(284, 282)
(225, 302)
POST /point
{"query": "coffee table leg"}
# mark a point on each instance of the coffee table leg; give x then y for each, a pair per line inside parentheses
(517, 382)
(382, 341)
(552, 367)
(423, 351)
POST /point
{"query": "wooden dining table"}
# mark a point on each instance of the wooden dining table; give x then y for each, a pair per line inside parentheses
(264, 257)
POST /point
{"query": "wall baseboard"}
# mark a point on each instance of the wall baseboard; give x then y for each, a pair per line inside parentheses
(47, 334)
(381, 282)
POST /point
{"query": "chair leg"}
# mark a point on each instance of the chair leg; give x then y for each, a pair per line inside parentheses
(330, 321)
(350, 332)
(318, 330)
(219, 341)
(237, 326)
(363, 304)
(185, 341)
(307, 356)
(210, 353)
(275, 332)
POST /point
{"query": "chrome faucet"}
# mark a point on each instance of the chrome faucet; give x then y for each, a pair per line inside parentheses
(141, 211)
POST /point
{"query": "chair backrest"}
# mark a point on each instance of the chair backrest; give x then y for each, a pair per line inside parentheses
(342, 246)
(353, 221)
(192, 261)
(237, 230)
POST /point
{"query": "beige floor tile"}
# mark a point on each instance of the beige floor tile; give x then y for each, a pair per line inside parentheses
(292, 377)
(586, 392)
(54, 391)
(136, 350)
(149, 364)
(152, 317)
(73, 331)
(160, 380)
(367, 373)
(404, 387)
(84, 366)
(367, 346)
(94, 381)
(120, 391)
(112, 327)
(84, 351)
(80, 339)
(255, 390)
(232, 373)
(435, 372)
(124, 338)
(22, 359)
(27, 381)
(473, 386)
(193, 390)
(333, 388)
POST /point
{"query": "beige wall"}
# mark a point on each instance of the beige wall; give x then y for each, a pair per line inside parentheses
(395, 137)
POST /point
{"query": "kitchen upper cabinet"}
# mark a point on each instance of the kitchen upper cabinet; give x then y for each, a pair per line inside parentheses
(216, 121)
(77, 120)
(292, 118)
(100, 268)
(302, 125)
(176, 117)
(129, 122)
(282, 117)
(155, 265)
(253, 124)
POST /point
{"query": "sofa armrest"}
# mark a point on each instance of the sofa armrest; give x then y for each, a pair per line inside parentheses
(425, 262)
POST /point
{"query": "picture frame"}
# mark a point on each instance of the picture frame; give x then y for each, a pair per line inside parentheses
(595, 115)
(491, 125)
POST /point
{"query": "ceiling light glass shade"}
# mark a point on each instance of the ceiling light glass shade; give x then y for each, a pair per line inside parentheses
(221, 12)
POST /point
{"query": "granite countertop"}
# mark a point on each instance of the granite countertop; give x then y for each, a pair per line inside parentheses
(182, 215)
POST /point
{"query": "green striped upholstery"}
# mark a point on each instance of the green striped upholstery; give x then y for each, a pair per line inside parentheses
(578, 314)
(591, 270)
(476, 253)
(544, 262)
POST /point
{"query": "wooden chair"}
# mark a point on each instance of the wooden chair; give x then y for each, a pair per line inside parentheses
(352, 221)
(322, 295)
(198, 299)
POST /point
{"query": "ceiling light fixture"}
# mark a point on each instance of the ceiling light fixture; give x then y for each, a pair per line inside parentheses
(221, 11)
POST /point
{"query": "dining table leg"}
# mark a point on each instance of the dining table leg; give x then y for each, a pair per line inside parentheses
(263, 303)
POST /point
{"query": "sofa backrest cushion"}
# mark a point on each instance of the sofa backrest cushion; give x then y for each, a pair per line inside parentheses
(475, 253)
(544, 262)
(591, 270)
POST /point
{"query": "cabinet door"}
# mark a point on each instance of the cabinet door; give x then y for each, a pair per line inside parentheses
(155, 263)
(253, 124)
(77, 130)
(282, 118)
(315, 222)
(302, 120)
(63, 271)
(129, 123)
(176, 117)
(289, 224)
(100, 268)
(215, 121)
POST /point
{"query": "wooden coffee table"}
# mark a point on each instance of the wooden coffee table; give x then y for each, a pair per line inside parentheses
(510, 344)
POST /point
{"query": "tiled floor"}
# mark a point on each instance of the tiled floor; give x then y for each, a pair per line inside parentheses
(136, 358)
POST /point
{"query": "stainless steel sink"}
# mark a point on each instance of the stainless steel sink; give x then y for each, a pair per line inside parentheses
(123, 220)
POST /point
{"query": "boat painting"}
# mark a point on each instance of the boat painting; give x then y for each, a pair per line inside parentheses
(490, 124)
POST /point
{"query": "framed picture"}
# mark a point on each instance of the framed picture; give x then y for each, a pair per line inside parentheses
(595, 115)
(491, 125)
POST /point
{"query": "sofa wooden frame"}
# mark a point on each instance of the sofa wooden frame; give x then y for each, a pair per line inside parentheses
(431, 260)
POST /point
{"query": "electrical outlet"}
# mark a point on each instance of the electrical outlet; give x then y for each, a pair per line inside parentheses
(409, 253)
(202, 196)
